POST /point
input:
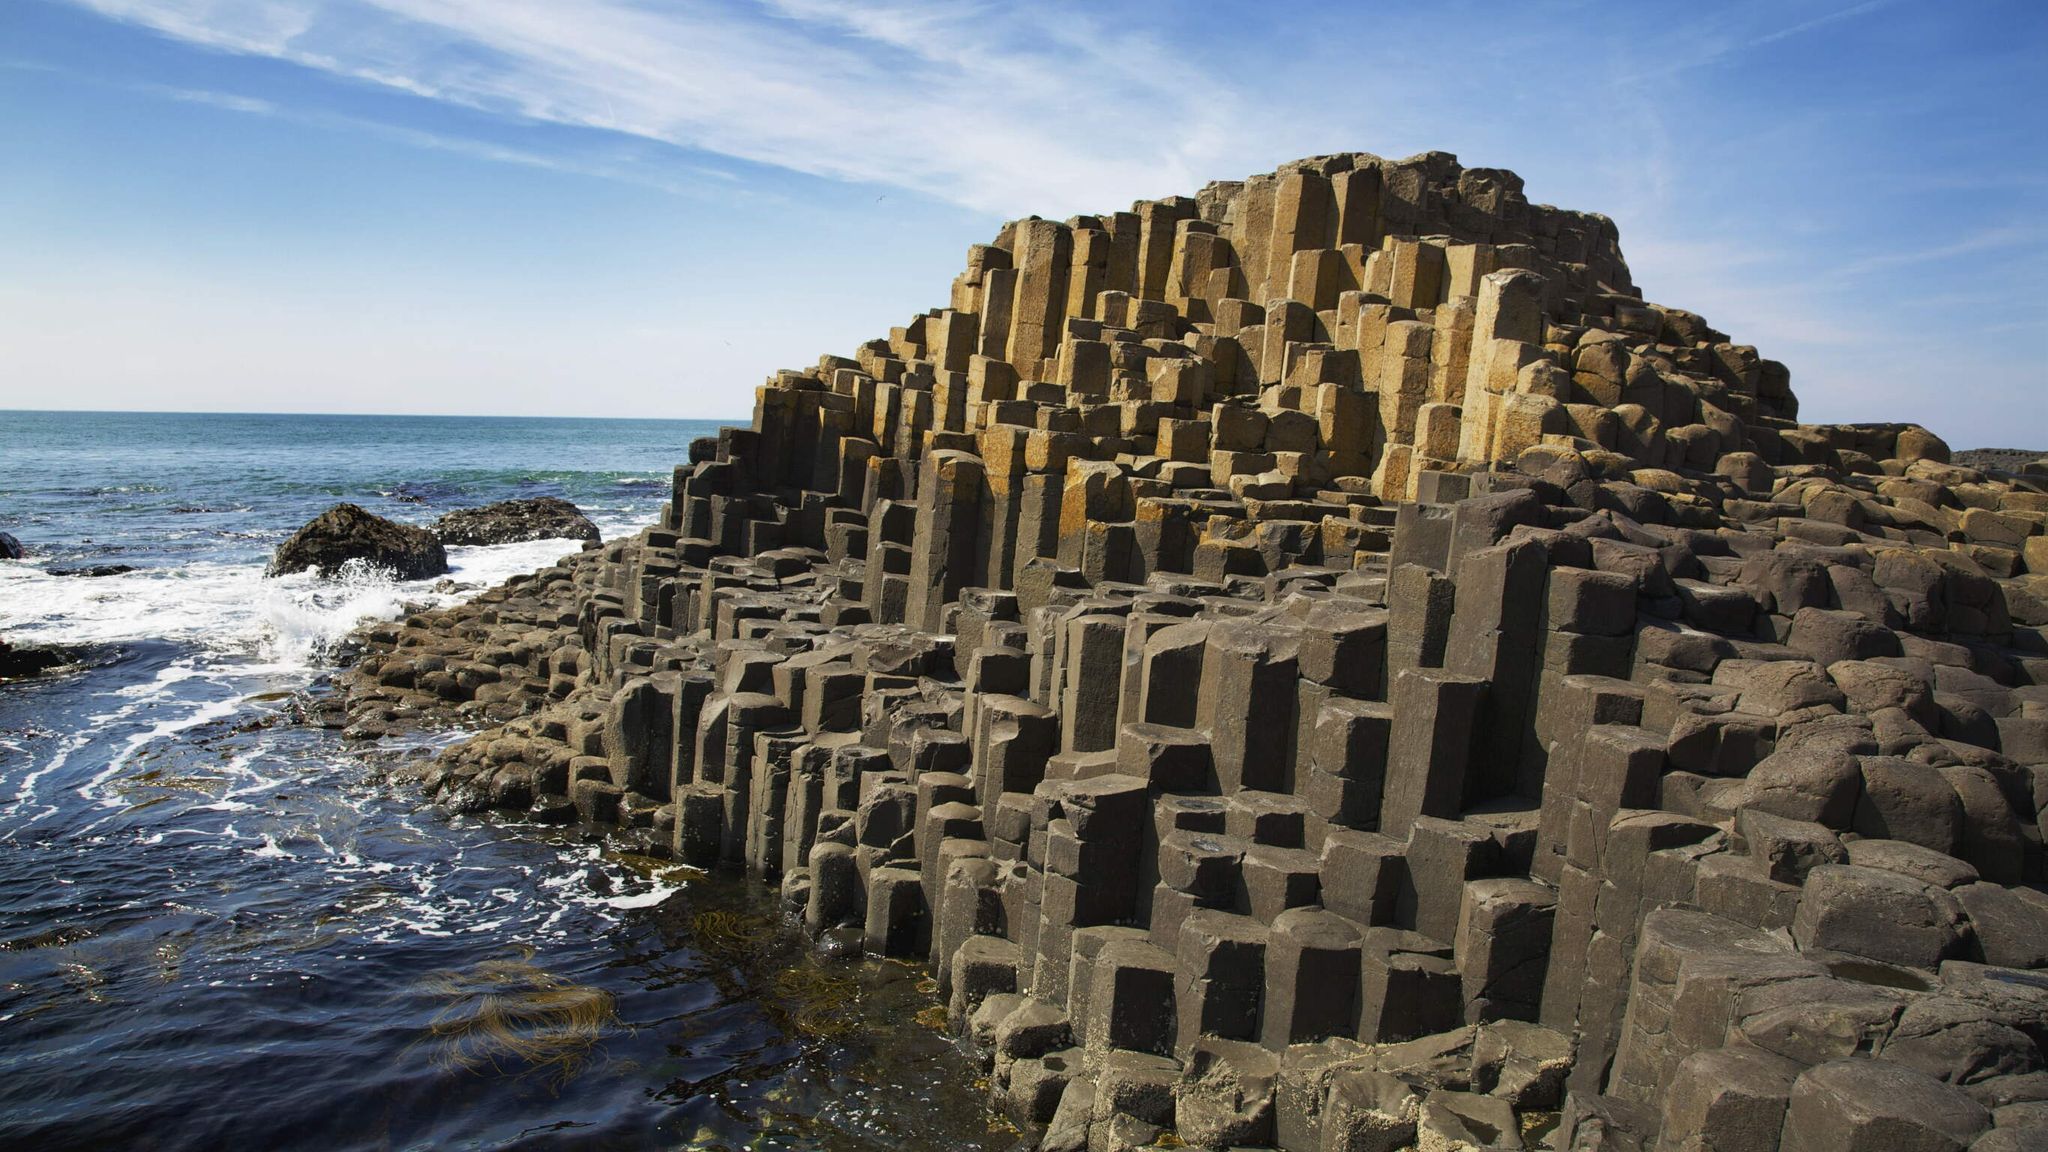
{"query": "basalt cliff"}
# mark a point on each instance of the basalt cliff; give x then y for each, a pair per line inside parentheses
(1324, 664)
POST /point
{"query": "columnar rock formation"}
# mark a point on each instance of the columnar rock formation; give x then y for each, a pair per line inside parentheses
(1325, 664)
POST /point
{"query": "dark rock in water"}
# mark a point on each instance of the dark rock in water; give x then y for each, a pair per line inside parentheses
(514, 521)
(94, 570)
(22, 663)
(421, 492)
(346, 532)
(10, 548)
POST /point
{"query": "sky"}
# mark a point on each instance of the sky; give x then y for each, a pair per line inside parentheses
(643, 208)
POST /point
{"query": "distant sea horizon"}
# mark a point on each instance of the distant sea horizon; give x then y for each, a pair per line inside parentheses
(718, 420)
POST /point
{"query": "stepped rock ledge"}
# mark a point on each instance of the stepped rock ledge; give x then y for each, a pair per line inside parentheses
(1324, 664)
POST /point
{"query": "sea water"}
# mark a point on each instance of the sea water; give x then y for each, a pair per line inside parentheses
(219, 928)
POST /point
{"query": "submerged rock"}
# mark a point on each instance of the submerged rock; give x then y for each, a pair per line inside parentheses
(516, 521)
(94, 570)
(20, 663)
(346, 532)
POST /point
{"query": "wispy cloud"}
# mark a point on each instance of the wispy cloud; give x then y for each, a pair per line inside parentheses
(227, 101)
(2007, 237)
(668, 176)
(1725, 37)
(1822, 21)
(990, 107)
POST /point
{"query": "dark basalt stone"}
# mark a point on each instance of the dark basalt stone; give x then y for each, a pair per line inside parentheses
(1669, 771)
(33, 660)
(515, 521)
(345, 532)
(10, 548)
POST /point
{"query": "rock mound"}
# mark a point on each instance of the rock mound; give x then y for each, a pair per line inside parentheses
(10, 548)
(345, 532)
(516, 521)
(1323, 663)
(2023, 461)
(20, 663)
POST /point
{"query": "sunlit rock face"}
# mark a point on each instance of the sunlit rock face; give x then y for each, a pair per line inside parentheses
(1324, 663)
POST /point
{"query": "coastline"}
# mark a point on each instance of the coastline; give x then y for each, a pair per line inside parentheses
(1255, 763)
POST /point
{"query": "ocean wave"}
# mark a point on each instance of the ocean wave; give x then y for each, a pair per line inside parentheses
(282, 622)
(115, 490)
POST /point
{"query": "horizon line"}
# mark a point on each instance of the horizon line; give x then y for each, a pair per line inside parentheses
(746, 421)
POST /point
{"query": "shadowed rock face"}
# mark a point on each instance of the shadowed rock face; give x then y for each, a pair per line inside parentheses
(345, 532)
(515, 521)
(1323, 663)
(22, 663)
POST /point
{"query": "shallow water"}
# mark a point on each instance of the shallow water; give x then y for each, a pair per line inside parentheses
(220, 928)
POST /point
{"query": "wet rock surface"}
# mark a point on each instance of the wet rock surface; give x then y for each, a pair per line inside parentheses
(1452, 702)
(93, 570)
(21, 662)
(515, 521)
(346, 533)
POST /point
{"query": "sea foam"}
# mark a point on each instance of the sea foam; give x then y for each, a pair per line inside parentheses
(271, 623)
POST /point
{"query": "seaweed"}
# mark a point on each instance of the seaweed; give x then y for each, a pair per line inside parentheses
(514, 1017)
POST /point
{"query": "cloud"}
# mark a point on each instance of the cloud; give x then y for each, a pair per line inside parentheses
(1765, 164)
(1787, 33)
(2004, 238)
(227, 101)
(994, 108)
(621, 166)
(1715, 42)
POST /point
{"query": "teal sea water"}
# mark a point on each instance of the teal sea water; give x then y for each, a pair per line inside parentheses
(219, 928)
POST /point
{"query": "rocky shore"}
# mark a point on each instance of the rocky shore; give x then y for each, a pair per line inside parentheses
(1323, 664)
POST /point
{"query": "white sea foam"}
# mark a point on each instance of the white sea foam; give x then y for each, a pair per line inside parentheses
(275, 624)
(247, 631)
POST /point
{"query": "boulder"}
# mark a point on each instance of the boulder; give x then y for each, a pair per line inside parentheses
(1905, 800)
(1960, 1042)
(1729, 1099)
(516, 521)
(2012, 929)
(1922, 864)
(1881, 916)
(1805, 784)
(346, 532)
(33, 660)
(10, 548)
(1863, 1105)
(1831, 636)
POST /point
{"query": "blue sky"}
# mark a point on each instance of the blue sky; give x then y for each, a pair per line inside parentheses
(632, 207)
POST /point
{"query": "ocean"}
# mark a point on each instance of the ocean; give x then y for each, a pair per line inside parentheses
(222, 928)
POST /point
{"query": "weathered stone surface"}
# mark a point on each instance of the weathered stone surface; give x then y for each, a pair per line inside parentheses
(1873, 1105)
(513, 521)
(345, 532)
(1879, 915)
(1326, 663)
(1728, 1100)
